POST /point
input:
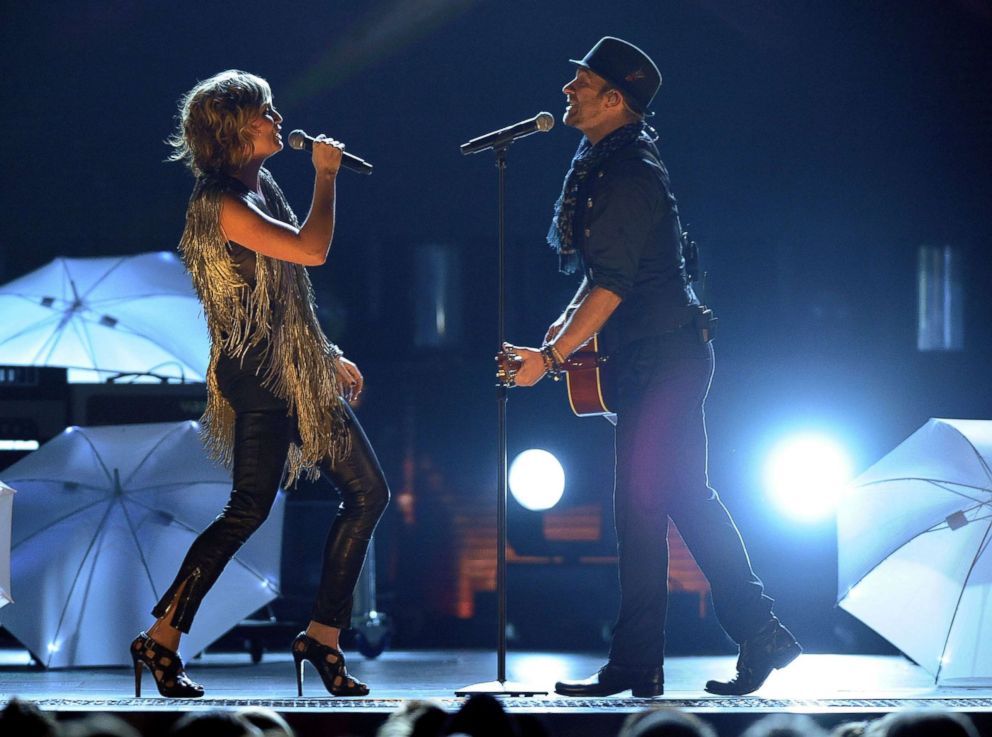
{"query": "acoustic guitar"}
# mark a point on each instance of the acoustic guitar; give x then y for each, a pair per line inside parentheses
(590, 394)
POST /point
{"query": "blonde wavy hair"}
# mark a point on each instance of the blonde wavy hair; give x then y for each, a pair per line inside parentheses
(212, 136)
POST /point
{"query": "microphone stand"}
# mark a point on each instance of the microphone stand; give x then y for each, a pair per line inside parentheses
(501, 686)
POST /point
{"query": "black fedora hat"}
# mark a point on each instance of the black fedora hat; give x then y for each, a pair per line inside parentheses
(625, 67)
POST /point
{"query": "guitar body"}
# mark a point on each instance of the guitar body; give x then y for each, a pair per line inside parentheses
(589, 393)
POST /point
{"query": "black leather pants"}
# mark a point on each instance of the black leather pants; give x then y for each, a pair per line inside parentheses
(262, 436)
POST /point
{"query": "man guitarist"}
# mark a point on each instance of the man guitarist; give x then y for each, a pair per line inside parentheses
(617, 221)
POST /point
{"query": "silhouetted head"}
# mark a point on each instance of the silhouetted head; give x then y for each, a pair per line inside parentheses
(665, 723)
(923, 723)
(214, 724)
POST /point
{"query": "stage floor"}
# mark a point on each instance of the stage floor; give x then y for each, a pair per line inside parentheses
(834, 688)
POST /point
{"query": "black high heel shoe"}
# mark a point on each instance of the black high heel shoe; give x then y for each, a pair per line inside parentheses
(166, 668)
(330, 665)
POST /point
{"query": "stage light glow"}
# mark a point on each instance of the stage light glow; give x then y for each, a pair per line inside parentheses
(15, 657)
(536, 479)
(806, 475)
(854, 593)
(19, 445)
(540, 667)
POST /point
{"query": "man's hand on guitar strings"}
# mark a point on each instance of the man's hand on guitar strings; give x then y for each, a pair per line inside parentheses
(525, 366)
(507, 363)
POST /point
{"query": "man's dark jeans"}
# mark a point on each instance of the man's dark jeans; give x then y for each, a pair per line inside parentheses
(662, 383)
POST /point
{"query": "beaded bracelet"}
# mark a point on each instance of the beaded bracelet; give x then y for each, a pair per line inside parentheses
(552, 362)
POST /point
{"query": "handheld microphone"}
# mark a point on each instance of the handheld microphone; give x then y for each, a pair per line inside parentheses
(299, 140)
(540, 123)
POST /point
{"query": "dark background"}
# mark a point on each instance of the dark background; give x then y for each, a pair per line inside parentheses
(813, 146)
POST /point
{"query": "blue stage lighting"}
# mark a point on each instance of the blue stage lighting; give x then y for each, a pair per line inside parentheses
(806, 475)
(537, 479)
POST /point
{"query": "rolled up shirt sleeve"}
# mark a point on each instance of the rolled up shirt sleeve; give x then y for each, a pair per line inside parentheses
(626, 212)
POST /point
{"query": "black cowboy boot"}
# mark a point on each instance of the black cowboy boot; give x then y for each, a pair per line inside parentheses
(643, 682)
(772, 647)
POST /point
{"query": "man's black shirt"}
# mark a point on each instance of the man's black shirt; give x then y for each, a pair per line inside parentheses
(628, 233)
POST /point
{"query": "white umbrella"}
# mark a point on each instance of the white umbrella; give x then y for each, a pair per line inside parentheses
(104, 517)
(6, 512)
(105, 316)
(914, 557)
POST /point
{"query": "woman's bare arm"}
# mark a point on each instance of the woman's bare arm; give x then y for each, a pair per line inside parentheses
(245, 223)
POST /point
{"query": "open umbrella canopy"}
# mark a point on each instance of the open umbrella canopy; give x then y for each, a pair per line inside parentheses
(104, 517)
(914, 557)
(104, 316)
(6, 511)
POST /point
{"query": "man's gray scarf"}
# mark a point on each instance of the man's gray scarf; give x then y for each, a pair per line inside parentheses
(587, 157)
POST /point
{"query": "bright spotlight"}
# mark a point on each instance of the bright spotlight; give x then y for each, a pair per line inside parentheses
(806, 476)
(537, 479)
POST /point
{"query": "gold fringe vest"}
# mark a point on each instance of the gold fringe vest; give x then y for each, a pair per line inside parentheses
(277, 315)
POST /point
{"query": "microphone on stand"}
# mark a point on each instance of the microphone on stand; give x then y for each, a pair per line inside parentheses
(299, 140)
(540, 123)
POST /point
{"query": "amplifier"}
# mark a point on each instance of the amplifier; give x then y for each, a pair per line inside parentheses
(34, 403)
(124, 404)
(37, 403)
